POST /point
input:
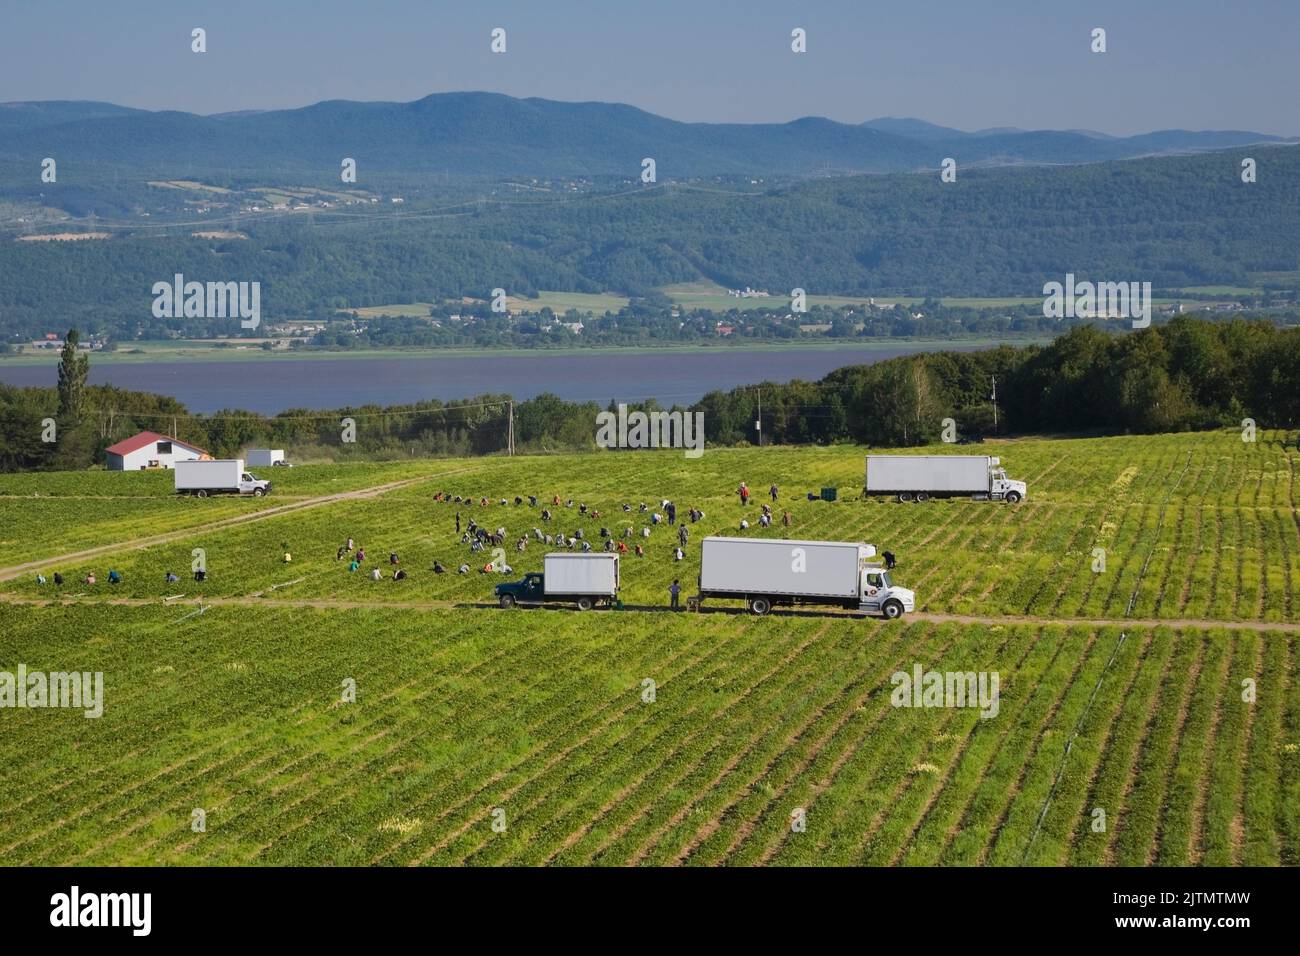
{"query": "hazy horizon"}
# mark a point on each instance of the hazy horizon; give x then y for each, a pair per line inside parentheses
(1191, 65)
(865, 119)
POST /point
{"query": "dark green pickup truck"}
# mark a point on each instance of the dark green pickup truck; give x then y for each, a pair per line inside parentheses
(584, 580)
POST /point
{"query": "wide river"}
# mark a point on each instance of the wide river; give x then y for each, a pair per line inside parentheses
(272, 385)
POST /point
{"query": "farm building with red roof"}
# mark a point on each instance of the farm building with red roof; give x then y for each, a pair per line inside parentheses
(150, 450)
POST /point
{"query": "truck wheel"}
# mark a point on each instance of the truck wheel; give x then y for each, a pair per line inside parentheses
(904, 497)
(585, 604)
(1013, 497)
(760, 606)
(922, 496)
(507, 601)
(201, 493)
(258, 492)
(892, 610)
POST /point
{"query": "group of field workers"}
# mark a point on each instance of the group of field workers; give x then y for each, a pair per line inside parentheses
(478, 537)
(356, 556)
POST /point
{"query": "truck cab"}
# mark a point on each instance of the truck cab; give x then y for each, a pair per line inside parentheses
(250, 484)
(1000, 486)
(879, 595)
(530, 590)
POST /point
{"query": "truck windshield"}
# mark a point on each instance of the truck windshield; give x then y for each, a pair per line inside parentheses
(884, 577)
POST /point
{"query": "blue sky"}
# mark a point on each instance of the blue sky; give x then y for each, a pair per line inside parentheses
(1199, 64)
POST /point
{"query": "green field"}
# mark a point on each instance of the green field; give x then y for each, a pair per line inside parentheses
(1121, 691)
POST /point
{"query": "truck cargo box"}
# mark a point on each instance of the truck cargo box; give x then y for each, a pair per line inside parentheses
(962, 474)
(769, 566)
(573, 574)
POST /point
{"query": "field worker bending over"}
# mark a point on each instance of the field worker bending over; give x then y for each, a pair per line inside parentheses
(374, 574)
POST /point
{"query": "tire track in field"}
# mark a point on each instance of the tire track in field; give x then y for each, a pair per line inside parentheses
(995, 832)
(1165, 779)
(137, 544)
(1116, 718)
(1196, 830)
(939, 617)
(1159, 700)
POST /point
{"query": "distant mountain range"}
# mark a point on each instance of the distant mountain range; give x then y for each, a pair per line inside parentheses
(490, 135)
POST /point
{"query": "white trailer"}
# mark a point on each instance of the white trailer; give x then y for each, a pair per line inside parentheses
(220, 476)
(265, 457)
(584, 579)
(764, 572)
(918, 477)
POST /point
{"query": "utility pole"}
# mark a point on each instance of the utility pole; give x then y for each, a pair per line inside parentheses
(510, 432)
(995, 403)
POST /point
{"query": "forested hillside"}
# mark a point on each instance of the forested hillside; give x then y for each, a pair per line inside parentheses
(490, 135)
(1174, 222)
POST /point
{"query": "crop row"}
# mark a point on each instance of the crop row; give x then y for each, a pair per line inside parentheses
(554, 731)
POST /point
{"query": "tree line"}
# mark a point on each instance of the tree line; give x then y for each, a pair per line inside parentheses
(1187, 374)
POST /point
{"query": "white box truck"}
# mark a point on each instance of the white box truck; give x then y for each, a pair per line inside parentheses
(919, 477)
(764, 572)
(265, 457)
(220, 476)
(582, 579)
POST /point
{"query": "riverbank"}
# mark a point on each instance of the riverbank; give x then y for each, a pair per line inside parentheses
(188, 351)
